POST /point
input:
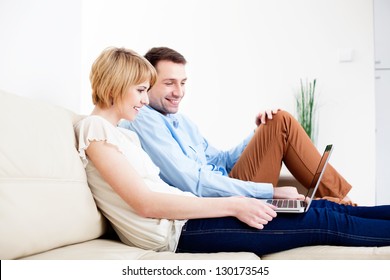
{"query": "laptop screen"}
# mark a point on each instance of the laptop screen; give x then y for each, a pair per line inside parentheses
(317, 176)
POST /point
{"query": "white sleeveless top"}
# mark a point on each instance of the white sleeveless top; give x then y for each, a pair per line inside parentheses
(132, 229)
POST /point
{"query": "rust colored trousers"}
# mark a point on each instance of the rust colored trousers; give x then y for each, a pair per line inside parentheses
(282, 139)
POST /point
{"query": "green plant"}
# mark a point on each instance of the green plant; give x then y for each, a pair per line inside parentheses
(307, 108)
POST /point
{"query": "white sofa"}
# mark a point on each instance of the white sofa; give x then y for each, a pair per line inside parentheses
(47, 210)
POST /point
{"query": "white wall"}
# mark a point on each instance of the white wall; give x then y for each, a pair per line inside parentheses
(243, 56)
(40, 50)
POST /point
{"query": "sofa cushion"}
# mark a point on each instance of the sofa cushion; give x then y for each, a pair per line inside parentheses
(326, 252)
(45, 201)
(103, 249)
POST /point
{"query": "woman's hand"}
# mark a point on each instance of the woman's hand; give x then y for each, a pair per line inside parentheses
(262, 116)
(253, 212)
(287, 193)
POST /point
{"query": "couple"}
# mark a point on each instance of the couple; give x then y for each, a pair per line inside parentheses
(212, 208)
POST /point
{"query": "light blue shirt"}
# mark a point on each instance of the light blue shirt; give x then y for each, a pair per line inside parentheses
(187, 161)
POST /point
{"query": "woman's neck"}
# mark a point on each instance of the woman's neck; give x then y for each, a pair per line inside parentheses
(108, 114)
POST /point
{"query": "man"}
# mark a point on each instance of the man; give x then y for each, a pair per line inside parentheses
(187, 161)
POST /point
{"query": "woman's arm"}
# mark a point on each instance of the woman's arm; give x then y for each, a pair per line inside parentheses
(123, 178)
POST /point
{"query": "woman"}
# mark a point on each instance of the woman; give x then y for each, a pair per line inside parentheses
(148, 213)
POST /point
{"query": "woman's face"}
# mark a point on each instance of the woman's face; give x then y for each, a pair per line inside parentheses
(135, 97)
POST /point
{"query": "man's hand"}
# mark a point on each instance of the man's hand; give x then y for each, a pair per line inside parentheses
(263, 116)
(287, 193)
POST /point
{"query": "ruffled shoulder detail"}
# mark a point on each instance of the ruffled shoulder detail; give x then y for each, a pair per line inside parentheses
(95, 128)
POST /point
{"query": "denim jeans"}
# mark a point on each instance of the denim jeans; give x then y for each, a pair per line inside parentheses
(326, 223)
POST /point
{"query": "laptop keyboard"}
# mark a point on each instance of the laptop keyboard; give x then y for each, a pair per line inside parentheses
(286, 203)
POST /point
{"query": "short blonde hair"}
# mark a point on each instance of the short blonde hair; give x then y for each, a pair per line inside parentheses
(114, 71)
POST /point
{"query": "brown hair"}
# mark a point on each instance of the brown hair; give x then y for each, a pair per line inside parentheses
(114, 71)
(155, 55)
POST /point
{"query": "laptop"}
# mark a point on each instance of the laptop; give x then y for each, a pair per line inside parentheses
(301, 206)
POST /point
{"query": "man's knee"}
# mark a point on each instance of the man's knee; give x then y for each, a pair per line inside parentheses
(282, 116)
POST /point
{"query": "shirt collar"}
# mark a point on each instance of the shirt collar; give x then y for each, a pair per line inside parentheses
(171, 117)
(174, 120)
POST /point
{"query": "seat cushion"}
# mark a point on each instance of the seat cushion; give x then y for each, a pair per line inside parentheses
(332, 253)
(103, 249)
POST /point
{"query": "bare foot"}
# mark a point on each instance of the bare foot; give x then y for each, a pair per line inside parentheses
(346, 200)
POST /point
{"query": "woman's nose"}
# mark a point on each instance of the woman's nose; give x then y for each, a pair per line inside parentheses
(145, 99)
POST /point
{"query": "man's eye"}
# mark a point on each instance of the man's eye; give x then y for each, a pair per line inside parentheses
(168, 83)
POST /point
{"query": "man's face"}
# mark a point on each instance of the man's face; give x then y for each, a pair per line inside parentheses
(169, 89)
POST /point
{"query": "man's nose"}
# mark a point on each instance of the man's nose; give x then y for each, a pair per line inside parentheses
(178, 91)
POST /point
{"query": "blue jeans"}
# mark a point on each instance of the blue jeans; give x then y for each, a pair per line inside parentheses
(326, 223)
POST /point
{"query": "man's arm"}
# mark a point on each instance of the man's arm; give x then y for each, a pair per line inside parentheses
(183, 172)
(226, 158)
